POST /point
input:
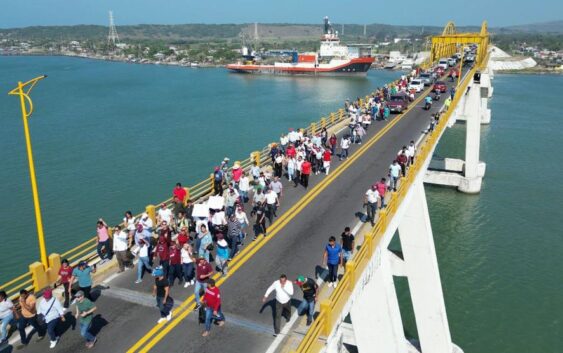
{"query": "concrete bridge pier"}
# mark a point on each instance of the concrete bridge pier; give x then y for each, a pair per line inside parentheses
(421, 267)
(467, 175)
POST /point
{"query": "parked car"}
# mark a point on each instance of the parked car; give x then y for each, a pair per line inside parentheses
(398, 103)
(440, 86)
(426, 78)
(416, 85)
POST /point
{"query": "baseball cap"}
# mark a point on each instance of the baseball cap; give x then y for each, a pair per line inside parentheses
(300, 280)
(48, 293)
(158, 271)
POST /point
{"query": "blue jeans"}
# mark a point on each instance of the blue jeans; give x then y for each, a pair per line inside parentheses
(346, 255)
(243, 196)
(344, 153)
(198, 287)
(84, 327)
(52, 329)
(393, 182)
(164, 311)
(104, 244)
(4, 328)
(210, 317)
(308, 308)
(332, 272)
(142, 265)
(188, 270)
(23, 322)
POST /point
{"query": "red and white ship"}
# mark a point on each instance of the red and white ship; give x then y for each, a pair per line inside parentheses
(333, 59)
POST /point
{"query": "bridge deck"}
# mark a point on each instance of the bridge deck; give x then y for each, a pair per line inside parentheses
(305, 221)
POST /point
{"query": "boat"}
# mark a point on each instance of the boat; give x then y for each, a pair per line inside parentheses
(333, 59)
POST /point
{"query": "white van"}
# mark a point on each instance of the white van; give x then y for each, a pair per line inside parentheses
(443, 63)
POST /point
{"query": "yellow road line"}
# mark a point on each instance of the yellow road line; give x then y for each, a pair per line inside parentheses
(276, 226)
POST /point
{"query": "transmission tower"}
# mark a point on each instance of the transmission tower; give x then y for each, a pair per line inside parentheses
(113, 38)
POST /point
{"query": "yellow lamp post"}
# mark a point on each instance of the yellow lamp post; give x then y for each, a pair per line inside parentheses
(23, 90)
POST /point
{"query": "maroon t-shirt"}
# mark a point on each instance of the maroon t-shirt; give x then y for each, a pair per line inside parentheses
(162, 251)
(65, 274)
(175, 256)
(203, 269)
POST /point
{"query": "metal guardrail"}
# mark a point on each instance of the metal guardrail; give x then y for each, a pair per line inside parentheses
(86, 251)
(331, 308)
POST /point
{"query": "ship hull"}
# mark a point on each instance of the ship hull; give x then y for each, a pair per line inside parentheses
(354, 67)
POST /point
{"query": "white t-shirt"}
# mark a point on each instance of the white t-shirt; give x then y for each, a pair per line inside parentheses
(5, 308)
(244, 183)
(144, 251)
(345, 143)
(186, 258)
(271, 197)
(130, 223)
(165, 214)
(372, 196)
(120, 242)
(411, 149)
(219, 218)
(395, 169)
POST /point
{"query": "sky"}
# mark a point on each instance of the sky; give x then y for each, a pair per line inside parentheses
(498, 13)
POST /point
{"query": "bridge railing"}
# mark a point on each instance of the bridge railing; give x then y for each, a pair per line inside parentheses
(331, 309)
(38, 277)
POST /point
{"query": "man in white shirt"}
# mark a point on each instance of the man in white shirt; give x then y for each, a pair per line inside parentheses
(244, 187)
(411, 151)
(146, 222)
(284, 291)
(272, 204)
(371, 201)
(344, 146)
(394, 173)
(164, 214)
(120, 244)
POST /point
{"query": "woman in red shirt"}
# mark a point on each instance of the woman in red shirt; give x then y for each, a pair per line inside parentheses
(65, 272)
(326, 160)
(305, 172)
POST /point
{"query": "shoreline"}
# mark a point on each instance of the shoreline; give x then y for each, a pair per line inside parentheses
(529, 71)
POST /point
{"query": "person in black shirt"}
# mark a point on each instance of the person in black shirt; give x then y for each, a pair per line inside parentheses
(347, 245)
(161, 290)
(310, 290)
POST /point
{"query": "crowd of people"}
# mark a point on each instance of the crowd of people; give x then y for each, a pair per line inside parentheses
(183, 246)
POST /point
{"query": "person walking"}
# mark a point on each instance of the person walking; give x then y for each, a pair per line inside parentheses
(84, 314)
(162, 251)
(144, 260)
(65, 274)
(6, 315)
(327, 156)
(371, 200)
(203, 272)
(222, 255)
(103, 241)
(187, 264)
(394, 174)
(53, 312)
(344, 146)
(212, 300)
(120, 246)
(347, 239)
(83, 275)
(161, 291)
(381, 187)
(310, 292)
(305, 172)
(218, 181)
(175, 270)
(28, 316)
(284, 291)
(332, 257)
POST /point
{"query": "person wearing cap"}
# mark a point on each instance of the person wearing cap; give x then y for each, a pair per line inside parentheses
(53, 312)
(222, 255)
(144, 260)
(203, 272)
(284, 291)
(84, 314)
(65, 274)
(161, 290)
(236, 173)
(225, 170)
(83, 274)
(371, 200)
(28, 316)
(6, 315)
(310, 290)
(212, 300)
(147, 223)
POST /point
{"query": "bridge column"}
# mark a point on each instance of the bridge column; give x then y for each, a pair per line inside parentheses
(421, 265)
(375, 315)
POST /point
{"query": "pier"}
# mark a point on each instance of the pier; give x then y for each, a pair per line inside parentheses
(362, 311)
